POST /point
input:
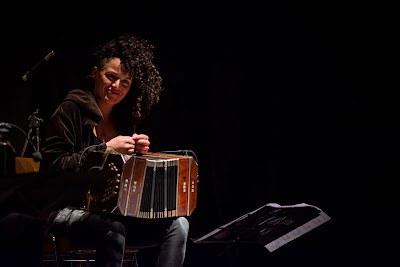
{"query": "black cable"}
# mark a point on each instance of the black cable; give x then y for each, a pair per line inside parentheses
(36, 155)
(78, 168)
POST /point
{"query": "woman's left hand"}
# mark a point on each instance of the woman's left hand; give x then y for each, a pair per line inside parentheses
(142, 143)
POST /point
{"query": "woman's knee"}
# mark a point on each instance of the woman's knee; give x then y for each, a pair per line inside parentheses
(118, 227)
(181, 226)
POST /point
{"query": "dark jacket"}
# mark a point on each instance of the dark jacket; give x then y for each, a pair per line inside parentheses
(69, 132)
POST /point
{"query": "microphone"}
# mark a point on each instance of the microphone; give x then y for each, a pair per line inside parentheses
(36, 155)
(25, 77)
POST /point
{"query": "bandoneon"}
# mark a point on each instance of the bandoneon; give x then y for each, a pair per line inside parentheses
(155, 185)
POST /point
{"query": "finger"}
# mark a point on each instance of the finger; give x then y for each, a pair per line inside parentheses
(142, 142)
(140, 136)
(129, 140)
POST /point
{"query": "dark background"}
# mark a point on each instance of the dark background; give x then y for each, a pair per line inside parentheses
(287, 102)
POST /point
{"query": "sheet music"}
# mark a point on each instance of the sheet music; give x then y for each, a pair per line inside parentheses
(308, 226)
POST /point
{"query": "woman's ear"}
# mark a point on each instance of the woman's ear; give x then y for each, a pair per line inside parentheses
(95, 70)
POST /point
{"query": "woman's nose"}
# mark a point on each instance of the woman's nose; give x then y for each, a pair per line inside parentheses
(116, 83)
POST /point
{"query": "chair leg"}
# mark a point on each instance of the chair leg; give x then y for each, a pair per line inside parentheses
(56, 252)
(131, 262)
(135, 259)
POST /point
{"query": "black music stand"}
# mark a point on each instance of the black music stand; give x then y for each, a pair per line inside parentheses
(271, 226)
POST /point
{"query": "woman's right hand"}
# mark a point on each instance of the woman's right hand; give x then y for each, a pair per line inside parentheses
(122, 144)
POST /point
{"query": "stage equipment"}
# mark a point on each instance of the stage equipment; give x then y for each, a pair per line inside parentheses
(28, 73)
(271, 225)
(4, 129)
(7, 152)
(34, 122)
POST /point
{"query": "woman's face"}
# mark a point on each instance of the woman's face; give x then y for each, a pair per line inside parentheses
(112, 83)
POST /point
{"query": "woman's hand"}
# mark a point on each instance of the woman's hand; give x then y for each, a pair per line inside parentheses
(138, 143)
(142, 143)
(122, 144)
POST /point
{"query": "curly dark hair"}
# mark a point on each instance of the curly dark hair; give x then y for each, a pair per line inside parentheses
(137, 57)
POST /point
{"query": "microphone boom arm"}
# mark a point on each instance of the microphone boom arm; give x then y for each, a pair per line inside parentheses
(27, 74)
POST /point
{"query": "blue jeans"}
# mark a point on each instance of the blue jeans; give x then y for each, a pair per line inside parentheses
(110, 233)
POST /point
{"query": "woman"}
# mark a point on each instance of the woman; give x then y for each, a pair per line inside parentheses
(126, 86)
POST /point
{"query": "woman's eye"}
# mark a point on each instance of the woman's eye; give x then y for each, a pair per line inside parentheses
(111, 77)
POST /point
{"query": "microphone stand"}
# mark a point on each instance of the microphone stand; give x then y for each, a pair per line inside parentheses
(35, 122)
